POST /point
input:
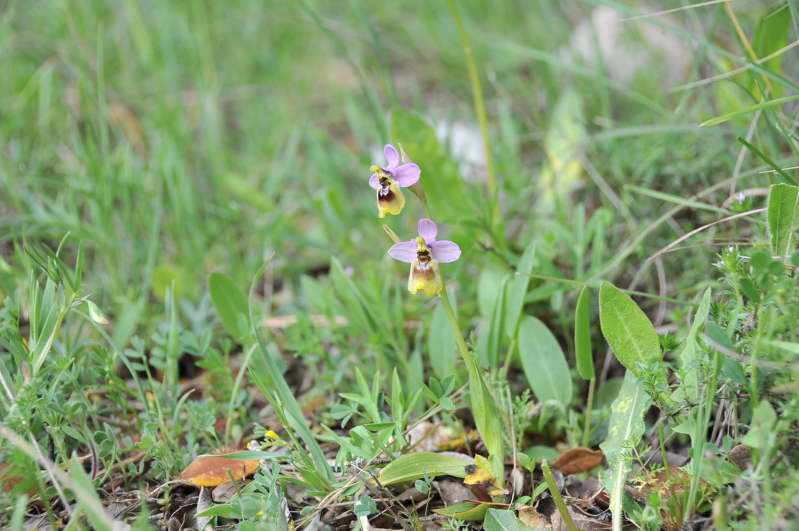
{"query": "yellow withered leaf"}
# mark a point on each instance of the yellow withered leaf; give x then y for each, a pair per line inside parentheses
(211, 470)
(479, 479)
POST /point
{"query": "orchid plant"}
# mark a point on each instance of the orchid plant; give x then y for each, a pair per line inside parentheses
(424, 253)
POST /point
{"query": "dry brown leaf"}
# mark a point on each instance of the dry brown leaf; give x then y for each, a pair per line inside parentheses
(211, 470)
(578, 460)
(741, 455)
(480, 482)
(224, 492)
(8, 479)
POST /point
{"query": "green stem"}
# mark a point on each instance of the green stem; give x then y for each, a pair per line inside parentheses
(468, 359)
(589, 406)
(702, 420)
(236, 385)
(508, 358)
(483, 406)
(663, 457)
(553, 490)
(479, 103)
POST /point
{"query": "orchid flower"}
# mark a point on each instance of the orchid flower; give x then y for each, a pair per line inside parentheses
(424, 253)
(388, 181)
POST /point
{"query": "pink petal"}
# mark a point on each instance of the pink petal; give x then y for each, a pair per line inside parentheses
(374, 182)
(445, 251)
(404, 251)
(392, 156)
(407, 174)
(427, 230)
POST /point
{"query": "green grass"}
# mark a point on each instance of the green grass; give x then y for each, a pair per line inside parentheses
(146, 145)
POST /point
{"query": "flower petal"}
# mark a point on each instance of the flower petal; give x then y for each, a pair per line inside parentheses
(445, 251)
(404, 251)
(427, 230)
(392, 156)
(374, 181)
(407, 174)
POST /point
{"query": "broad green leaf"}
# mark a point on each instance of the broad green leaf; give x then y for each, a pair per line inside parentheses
(441, 346)
(772, 35)
(690, 356)
(487, 418)
(466, 511)
(631, 335)
(783, 200)
(582, 335)
(417, 465)
(749, 110)
(168, 276)
(230, 304)
(503, 520)
(564, 144)
(489, 288)
(762, 426)
(793, 348)
(442, 183)
(544, 363)
(539, 452)
(127, 316)
(517, 289)
(490, 341)
(624, 432)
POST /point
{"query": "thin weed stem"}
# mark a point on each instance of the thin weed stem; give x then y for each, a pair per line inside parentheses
(479, 104)
(553, 490)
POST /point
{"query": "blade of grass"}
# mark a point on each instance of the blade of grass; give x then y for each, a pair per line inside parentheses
(748, 110)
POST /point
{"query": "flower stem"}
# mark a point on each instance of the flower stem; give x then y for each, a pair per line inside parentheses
(589, 406)
(468, 359)
(553, 490)
(483, 406)
(479, 101)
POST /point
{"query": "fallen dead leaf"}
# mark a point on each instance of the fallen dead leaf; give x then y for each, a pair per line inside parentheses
(452, 492)
(429, 437)
(480, 481)
(224, 492)
(211, 470)
(7, 478)
(204, 502)
(740, 455)
(577, 460)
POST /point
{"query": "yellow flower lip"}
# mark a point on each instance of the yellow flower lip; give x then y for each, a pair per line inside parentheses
(389, 198)
(424, 277)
